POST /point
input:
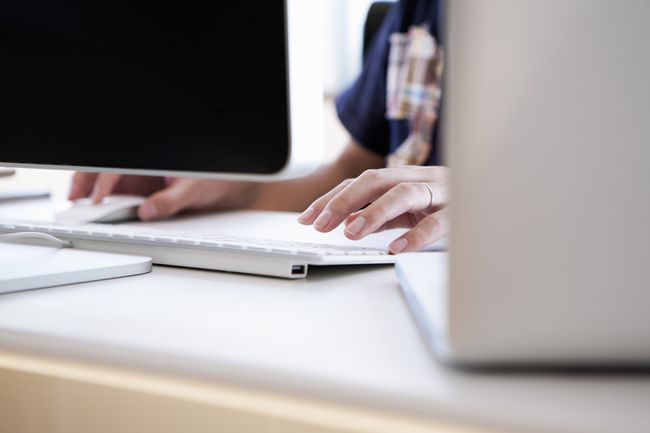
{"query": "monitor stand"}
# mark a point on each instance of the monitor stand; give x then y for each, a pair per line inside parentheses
(26, 267)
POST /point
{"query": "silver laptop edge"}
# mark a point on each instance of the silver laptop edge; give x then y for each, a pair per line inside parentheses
(546, 128)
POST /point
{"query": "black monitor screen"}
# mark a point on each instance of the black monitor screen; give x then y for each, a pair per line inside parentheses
(154, 85)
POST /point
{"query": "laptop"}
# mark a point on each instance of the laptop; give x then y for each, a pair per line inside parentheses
(547, 133)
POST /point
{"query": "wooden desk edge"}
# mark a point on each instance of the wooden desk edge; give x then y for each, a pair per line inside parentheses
(160, 404)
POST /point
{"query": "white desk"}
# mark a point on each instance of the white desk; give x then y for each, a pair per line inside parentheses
(185, 350)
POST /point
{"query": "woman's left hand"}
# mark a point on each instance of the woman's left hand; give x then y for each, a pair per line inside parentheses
(388, 198)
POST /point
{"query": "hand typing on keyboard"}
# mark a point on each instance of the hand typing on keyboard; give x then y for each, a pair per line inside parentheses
(405, 197)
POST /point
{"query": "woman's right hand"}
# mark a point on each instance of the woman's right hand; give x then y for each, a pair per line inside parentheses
(166, 196)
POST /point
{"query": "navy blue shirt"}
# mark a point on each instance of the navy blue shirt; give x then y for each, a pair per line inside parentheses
(362, 107)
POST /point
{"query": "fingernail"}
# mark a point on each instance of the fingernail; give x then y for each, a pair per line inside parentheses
(148, 211)
(398, 246)
(323, 220)
(304, 217)
(356, 226)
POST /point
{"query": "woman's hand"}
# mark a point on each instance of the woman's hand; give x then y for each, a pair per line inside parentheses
(165, 196)
(405, 197)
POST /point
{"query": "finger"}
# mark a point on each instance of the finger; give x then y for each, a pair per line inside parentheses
(167, 202)
(314, 210)
(331, 209)
(431, 229)
(104, 185)
(400, 199)
(404, 221)
(81, 185)
(438, 195)
(365, 189)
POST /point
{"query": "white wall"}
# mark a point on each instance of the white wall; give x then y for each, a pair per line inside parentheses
(343, 23)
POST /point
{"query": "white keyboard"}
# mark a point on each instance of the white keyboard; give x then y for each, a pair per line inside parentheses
(203, 251)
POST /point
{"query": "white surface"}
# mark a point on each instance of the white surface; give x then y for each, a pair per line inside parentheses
(342, 334)
(547, 126)
(305, 79)
(25, 267)
(424, 281)
(56, 181)
(113, 209)
(344, 22)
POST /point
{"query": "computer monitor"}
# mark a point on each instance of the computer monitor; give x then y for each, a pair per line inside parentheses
(192, 88)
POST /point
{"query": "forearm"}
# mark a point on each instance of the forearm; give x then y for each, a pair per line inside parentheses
(297, 194)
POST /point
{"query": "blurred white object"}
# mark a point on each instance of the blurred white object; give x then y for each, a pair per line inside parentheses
(547, 130)
(113, 209)
(24, 267)
(343, 23)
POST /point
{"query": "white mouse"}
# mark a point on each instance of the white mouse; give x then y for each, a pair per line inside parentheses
(112, 209)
